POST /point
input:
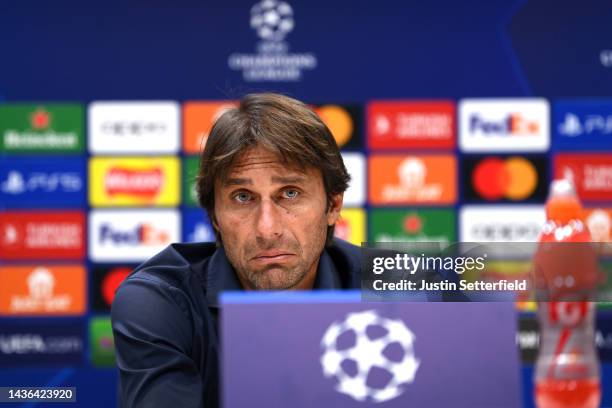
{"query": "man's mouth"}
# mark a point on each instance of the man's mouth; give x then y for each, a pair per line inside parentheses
(272, 256)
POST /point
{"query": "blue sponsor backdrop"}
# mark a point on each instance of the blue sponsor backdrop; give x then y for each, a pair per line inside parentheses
(161, 49)
(41, 343)
(26, 182)
(196, 226)
(180, 50)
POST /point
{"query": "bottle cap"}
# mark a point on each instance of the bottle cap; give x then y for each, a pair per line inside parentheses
(563, 204)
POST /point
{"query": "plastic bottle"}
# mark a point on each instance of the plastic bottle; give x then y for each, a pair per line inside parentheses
(567, 367)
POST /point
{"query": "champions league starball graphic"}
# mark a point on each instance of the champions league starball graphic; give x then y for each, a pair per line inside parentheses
(371, 357)
(272, 19)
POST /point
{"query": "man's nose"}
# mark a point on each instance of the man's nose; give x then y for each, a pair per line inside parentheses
(268, 224)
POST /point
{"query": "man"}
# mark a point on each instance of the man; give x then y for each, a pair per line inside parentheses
(272, 181)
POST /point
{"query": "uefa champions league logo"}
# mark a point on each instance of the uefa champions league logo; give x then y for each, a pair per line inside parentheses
(272, 61)
(364, 345)
(272, 20)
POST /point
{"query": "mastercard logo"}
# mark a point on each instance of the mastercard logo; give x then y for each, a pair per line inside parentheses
(512, 178)
(339, 122)
(112, 281)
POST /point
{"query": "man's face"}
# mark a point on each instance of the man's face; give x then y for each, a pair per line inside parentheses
(273, 221)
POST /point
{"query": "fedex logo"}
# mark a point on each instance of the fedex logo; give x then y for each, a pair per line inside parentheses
(514, 124)
(504, 125)
(145, 234)
(131, 235)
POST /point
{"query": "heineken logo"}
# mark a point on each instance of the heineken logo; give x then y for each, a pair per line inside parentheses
(413, 224)
(421, 225)
(33, 128)
(40, 119)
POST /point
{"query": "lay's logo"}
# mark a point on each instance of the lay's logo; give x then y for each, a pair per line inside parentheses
(133, 181)
(351, 226)
(145, 183)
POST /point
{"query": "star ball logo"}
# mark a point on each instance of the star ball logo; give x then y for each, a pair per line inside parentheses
(272, 20)
(370, 356)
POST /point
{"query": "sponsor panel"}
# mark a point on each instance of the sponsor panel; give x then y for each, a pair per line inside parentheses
(134, 181)
(42, 235)
(191, 166)
(351, 226)
(411, 124)
(355, 164)
(505, 178)
(504, 125)
(198, 119)
(197, 226)
(102, 342)
(603, 338)
(412, 179)
(582, 124)
(26, 182)
(599, 223)
(59, 343)
(131, 235)
(344, 122)
(45, 128)
(591, 174)
(412, 225)
(133, 127)
(528, 338)
(106, 280)
(605, 287)
(42, 290)
(501, 223)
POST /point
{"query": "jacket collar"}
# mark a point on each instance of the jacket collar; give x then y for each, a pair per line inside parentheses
(221, 276)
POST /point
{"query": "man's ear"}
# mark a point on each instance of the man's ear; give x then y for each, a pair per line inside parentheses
(213, 221)
(335, 206)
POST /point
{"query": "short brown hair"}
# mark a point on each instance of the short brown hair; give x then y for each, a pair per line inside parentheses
(282, 125)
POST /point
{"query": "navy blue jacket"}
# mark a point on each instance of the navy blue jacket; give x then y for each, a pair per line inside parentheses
(165, 317)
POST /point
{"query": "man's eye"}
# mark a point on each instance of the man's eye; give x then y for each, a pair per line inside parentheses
(291, 193)
(242, 197)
